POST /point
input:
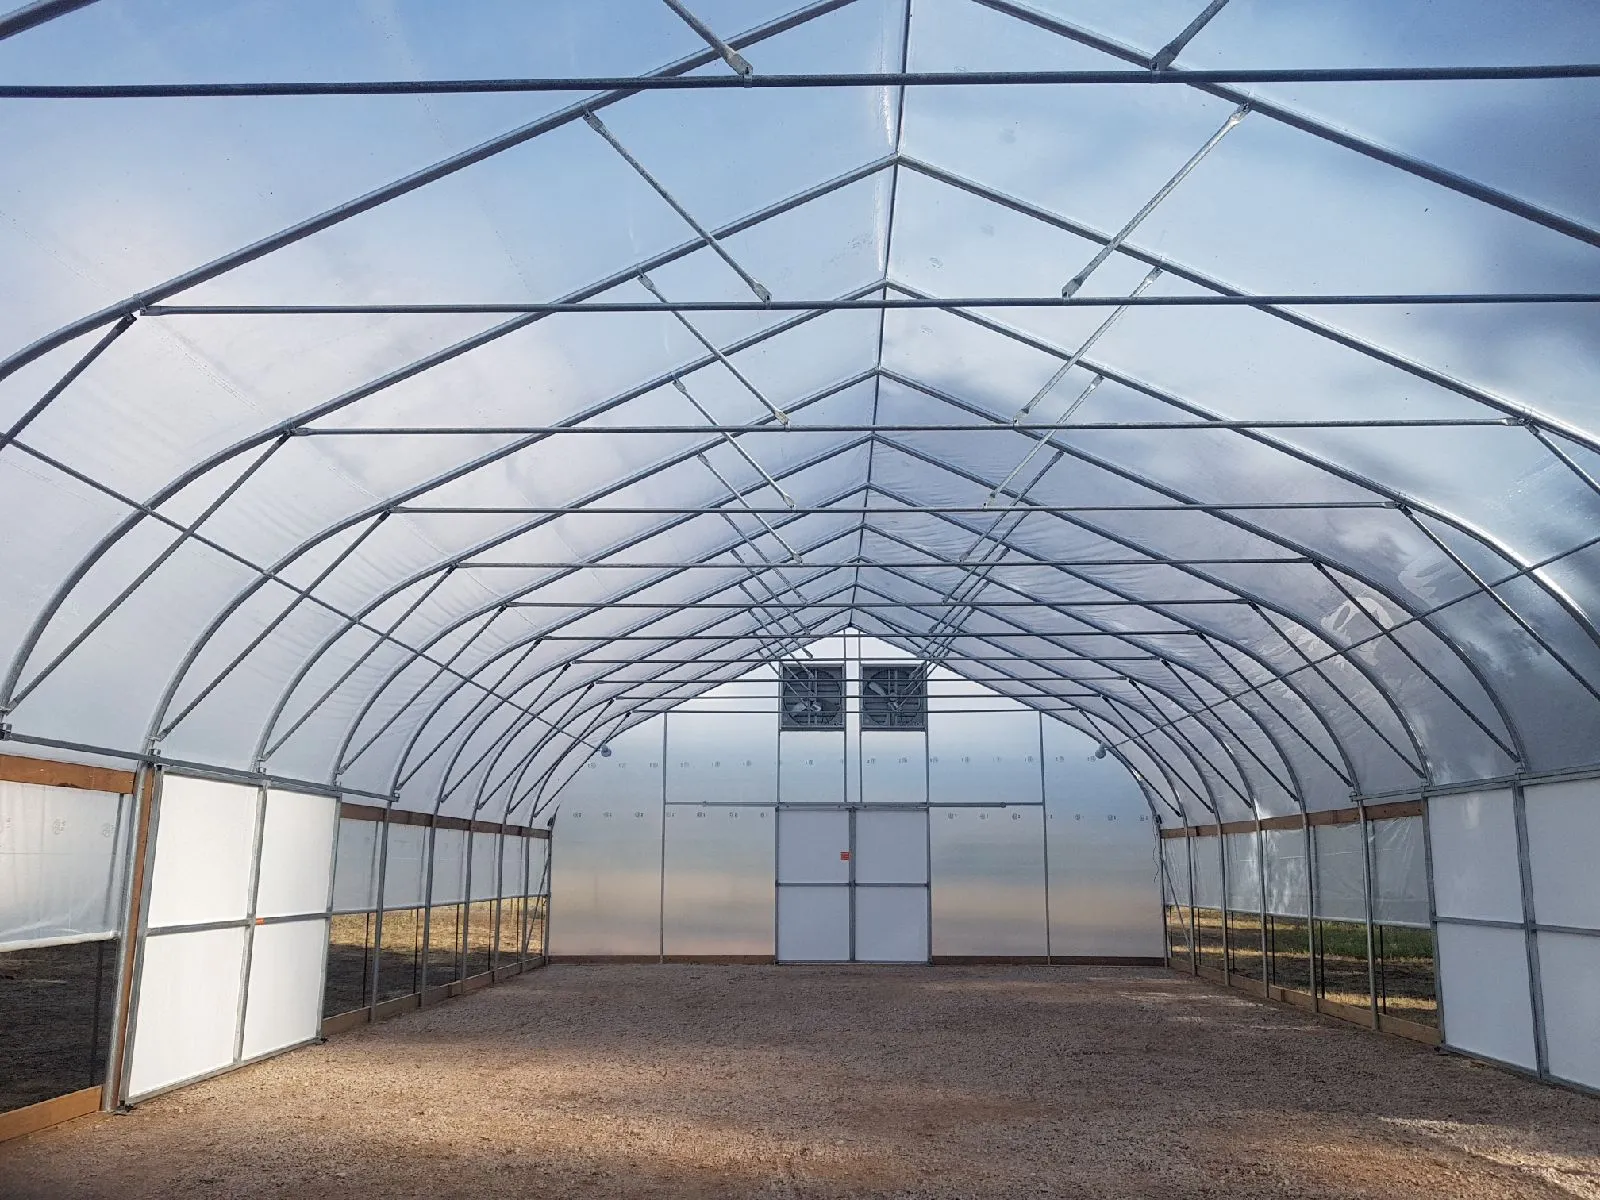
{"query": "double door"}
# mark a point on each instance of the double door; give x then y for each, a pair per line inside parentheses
(852, 884)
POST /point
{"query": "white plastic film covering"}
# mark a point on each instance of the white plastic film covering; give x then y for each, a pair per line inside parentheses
(717, 895)
(287, 960)
(1243, 851)
(1399, 872)
(405, 880)
(188, 1007)
(1563, 834)
(983, 757)
(355, 871)
(297, 850)
(1475, 870)
(1175, 874)
(485, 854)
(1341, 876)
(63, 862)
(1483, 983)
(1207, 853)
(205, 841)
(1288, 874)
(1569, 967)
(514, 865)
(449, 866)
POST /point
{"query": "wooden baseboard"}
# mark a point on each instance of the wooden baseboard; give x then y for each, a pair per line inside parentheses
(33, 1117)
(1428, 1035)
(341, 1022)
(393, 1008)
(989, 960)
(720, 960)
(604, 958)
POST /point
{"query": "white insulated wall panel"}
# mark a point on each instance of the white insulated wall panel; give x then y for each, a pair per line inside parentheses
(1105, 891)
(1569, 970)
(188, 1007)
(811, 767)
(1563, 849)
(718, 893)
(606, 851)
(296, 854)
(988, 882)
(1475, 871)
(355, 869)
(286, 965)
(729, 758)
(205, 839)
(1483, 980)
(984, 757)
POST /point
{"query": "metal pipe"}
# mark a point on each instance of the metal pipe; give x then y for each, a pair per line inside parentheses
(1160, 300)
(729, 55)
(840, 79)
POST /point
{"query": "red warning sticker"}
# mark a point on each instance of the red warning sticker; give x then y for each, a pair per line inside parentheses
(844, 856)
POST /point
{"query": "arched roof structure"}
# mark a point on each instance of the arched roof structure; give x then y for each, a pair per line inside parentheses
(404, 399)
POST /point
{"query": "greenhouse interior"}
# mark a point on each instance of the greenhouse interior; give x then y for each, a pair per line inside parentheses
(667, 546)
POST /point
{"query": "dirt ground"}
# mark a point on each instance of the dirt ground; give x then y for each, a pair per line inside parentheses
(690, 1081)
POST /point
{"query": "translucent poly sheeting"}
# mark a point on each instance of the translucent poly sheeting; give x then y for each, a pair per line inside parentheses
(988, 871)
(1288, 876)
(1399, 872)
(63, 860)
(355, 872)
(449, 883)
(405, 874)
(1207, 852)
(1341, 891)
(717, 893)
(484, 865)
(1242, 854)
(1175, 871)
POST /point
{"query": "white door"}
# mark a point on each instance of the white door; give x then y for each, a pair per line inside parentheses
(891, 886)
(813, 885)
(852, 885)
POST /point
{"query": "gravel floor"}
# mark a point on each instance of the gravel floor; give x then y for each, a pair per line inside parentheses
(791, 1081)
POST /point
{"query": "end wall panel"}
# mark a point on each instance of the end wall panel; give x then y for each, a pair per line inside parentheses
(296, 854)
(606, 851)
(718, 892)
(988, 882)
(1105, 895)
(1475, 871)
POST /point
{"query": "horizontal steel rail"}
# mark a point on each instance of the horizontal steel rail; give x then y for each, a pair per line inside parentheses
(821, 79)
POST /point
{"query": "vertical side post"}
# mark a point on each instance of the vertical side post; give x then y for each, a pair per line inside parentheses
(373, 975)
(243, 1008)
(1367, 888)
(135, 913)
(1530, 934)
